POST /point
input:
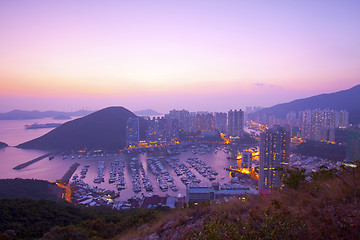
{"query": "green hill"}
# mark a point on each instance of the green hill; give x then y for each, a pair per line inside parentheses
(104, 129)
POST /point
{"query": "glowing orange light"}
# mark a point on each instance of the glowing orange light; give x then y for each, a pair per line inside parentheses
(252, 173)
(225, 138)
(67, 194)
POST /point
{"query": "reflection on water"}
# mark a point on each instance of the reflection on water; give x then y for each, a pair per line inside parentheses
(13, 132)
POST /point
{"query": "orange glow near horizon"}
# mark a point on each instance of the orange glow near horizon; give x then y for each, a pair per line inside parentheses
(62, 85)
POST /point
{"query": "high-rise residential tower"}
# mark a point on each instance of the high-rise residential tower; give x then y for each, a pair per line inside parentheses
(274, 153)
(246, 160)
(132, 131)
(221, 121)
(236, 123)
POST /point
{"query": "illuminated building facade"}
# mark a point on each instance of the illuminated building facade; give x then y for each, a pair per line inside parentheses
(320, 125)
(172, 128)
(132, 129)
(274, 153)
(205, 122)
(236, 123)
(246, 160)
(221, 122)
(156, 129)
(183, 118)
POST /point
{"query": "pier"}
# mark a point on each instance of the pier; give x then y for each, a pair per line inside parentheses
(65, 179)
(24, 165)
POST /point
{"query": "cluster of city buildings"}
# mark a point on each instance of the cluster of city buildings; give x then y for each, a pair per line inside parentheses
(315, 124)
(274, 146)
(166, 129)
(274, 153)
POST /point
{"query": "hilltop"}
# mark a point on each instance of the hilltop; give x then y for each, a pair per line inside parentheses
(343, 100)
(104, 129)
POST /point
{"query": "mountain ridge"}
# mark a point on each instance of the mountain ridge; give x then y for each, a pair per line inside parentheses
(341, 100)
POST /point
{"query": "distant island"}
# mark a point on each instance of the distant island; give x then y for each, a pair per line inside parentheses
(42, 125)
(3, 145)
(147, 112)
(62, 117)
(104, 129)
(24, 115)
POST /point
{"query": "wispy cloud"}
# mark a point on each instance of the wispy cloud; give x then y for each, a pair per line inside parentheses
(258, 84)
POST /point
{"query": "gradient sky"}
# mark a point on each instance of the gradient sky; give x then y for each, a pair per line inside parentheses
(197, 55)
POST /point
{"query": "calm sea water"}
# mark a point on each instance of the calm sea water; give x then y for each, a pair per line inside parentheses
(14, 133)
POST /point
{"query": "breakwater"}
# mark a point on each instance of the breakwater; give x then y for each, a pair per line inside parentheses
(65, 179)
(24, 165)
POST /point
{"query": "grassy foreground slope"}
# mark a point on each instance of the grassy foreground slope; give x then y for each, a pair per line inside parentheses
(325, 208)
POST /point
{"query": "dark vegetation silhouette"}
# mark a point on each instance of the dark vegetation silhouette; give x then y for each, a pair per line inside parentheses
(29, 188)
(3, 145)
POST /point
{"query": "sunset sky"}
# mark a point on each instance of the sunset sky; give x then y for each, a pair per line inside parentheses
(198, 55)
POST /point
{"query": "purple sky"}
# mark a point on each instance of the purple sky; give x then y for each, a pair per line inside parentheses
(197, 55)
